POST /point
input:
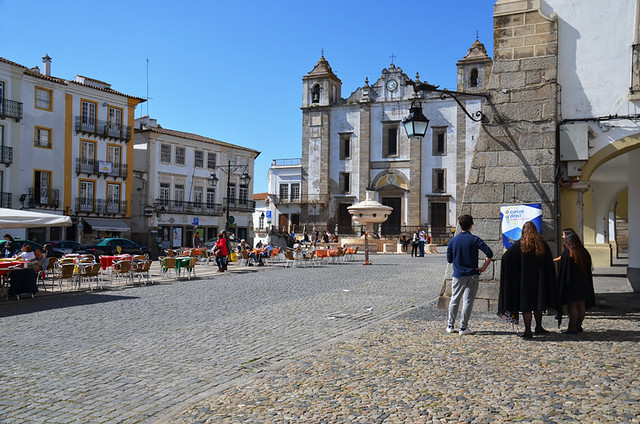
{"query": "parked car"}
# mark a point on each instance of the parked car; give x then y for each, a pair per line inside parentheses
(212, 242)
(109, 246)
(66, 246)
(55, 253)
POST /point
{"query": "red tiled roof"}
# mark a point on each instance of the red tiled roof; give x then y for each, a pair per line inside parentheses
(66, 82)
(260, 196)
(196, 137)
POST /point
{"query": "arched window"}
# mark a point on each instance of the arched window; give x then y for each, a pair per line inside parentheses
(315, 94)
(473, 78)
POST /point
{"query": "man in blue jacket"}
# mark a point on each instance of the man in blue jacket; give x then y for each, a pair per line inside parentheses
(462, 252)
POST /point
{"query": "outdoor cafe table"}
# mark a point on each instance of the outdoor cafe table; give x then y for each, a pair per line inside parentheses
(325, 253)
(107, 261)
(181, 261)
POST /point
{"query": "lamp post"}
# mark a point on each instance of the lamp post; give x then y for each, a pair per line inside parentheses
(416, 123)
(228, 169)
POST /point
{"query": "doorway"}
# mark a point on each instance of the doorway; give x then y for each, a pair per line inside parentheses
(344, 219)
(438, 219)
(392, 225)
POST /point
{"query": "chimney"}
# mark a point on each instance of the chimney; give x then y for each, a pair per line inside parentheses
(46, 65)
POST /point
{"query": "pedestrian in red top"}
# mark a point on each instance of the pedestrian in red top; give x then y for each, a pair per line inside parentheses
(221, 252)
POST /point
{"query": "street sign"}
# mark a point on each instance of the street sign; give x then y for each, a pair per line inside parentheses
(195, 221)
(231, 221)
(268, 214)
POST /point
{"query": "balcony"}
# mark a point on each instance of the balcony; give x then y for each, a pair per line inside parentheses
(6, 155)
(240, 205)
(103, 129)
(5, 200)
(301, 199)
(100, 207)
(285, 200)
(10, 109)
(196, 208)
(102, 168)
(286, 162)
(42, 198)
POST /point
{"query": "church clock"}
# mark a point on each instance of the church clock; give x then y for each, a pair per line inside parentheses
(392, 85)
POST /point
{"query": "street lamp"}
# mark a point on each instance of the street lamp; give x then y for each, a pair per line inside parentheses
(245, 178)
(416, 123)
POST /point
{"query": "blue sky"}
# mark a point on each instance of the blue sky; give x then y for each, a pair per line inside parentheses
(233, 70)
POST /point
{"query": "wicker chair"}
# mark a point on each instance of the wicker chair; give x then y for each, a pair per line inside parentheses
(122, 269)
(141, 269)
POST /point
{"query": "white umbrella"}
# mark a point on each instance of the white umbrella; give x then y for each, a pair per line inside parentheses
(15, 218)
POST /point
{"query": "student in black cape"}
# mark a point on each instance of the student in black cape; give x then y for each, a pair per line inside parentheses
(576, 281)
(527, 280)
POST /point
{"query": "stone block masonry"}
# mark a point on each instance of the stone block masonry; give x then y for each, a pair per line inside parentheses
(514, 157)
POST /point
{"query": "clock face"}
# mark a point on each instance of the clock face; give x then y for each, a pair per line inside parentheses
(392, 85)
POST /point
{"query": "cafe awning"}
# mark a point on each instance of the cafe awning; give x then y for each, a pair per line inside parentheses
(18, 218)
(115, 225)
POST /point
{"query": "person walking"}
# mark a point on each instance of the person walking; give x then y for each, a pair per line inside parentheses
(462, 252)
(575, 278)
(527, 280)
(220, 251)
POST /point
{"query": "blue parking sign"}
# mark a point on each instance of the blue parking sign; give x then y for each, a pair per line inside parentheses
(268, 214)
(195, 221)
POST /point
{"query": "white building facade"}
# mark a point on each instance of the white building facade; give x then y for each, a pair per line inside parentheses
(175, 196)
(69, 142)
(354, 143)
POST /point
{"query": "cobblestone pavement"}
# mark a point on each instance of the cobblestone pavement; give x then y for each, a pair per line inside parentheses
(409, 370)
(142, 354)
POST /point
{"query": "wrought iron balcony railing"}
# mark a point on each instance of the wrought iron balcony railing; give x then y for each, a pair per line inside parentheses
(43, 198)
(286, 162)
(99, 167)
(291, 199)
(11, 109)
(180, 206)
(5, 200)
(103, 129)
(100, 206)
(6, 155)
(240, 205)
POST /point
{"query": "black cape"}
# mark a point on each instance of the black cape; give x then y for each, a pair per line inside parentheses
(527, 282)
(574, 284)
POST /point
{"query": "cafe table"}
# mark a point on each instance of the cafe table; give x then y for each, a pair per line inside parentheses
(182, 262)
(106, 261)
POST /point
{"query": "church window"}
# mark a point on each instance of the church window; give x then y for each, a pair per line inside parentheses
(439, 141)
(390, 141)
(439, 180)
(345, 146)
(315, 94)
(473, 78)
(345, 182)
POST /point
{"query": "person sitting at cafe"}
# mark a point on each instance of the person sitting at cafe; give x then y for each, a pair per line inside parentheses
(244, 246)
(42, 259)
(26, 253)
(265, 254)
(9, 246)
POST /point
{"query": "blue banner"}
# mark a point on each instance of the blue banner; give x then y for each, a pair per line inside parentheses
(513, 218)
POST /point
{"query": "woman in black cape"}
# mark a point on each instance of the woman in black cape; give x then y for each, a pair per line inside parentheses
(527, 280)
(576, 281)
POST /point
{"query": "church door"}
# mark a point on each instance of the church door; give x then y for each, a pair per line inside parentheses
(438, 219)
(392, 225)
(344, 219)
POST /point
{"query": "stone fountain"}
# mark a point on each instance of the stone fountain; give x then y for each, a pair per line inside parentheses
(367, 213)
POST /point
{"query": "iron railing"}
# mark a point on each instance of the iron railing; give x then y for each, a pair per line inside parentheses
(5, 200)
(98, 167)
(100, 206)
(6, 155)
(43, 199)
(10, 109)
(180, 206)
(103, 129)
(286, 162)
(240, 205)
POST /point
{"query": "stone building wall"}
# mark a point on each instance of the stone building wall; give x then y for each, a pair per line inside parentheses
(514, 158)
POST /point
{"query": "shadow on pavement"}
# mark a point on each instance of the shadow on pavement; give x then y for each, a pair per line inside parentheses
(587, 336)
(29, 305)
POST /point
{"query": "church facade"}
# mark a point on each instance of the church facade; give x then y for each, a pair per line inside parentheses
(358, 142)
